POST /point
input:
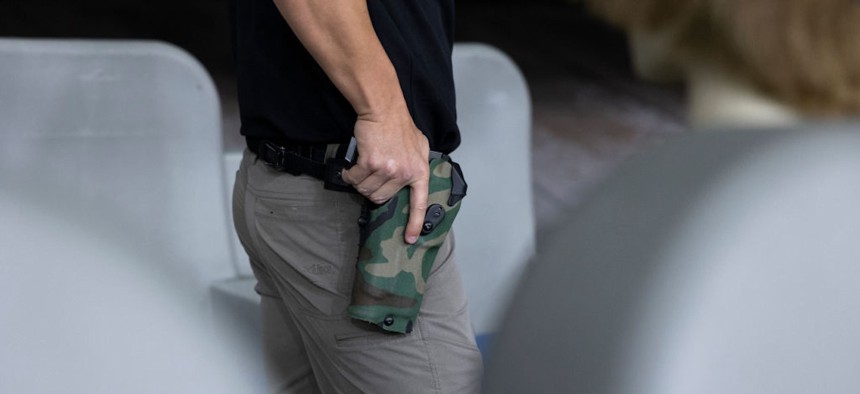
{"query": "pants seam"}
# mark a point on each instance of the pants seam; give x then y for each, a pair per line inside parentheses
(436, 384)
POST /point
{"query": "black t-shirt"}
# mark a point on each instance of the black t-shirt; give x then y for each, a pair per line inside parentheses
(284, 94)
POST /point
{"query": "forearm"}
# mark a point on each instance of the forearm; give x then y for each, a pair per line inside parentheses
(340, 37)
(394, 153)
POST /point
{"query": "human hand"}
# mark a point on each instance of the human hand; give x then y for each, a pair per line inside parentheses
(393, 154)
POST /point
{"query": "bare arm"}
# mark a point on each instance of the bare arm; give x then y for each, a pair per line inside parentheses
(393, 152)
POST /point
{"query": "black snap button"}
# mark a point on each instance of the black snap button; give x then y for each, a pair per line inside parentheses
(434, 217)
(389, 320)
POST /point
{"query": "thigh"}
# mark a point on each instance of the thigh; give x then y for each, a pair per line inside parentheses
(288, 368)
(446, 327)
(439, 356)
(307, 240)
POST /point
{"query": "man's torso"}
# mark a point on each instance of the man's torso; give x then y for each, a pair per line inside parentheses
(284, 94)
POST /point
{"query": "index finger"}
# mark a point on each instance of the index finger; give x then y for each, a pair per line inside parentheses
(417, 209)
(355, 175)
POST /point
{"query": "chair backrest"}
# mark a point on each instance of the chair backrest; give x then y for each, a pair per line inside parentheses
(719, 263)
(495, 229)
(113, 223)
(84, 313)
(124, 134)
(232, 160)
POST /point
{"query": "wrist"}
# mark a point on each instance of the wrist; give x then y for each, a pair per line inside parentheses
(380, 96)
(393, 109)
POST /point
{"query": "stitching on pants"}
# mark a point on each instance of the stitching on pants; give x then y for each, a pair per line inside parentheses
(272, 296)
(429, 354)
(250, 216)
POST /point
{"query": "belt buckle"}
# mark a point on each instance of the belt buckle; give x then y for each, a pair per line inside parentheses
(274, 155)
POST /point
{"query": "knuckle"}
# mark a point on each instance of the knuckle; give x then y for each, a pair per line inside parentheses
(407, 174)
(373, 163)
(391, 169)
(378, 199)
(423, 171)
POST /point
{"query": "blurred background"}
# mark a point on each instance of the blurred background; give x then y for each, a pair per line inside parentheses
(588, 114)
(589, 111)
(759, 227)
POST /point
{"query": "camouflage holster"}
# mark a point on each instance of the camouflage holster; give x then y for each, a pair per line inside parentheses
(391, 275)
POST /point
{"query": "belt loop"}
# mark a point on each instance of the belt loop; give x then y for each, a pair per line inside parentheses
(275, 155)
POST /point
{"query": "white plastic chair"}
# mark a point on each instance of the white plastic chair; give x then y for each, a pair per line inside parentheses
(719, 263)
(113, 222)
(84, 313)
(126, 131)
(496, 228)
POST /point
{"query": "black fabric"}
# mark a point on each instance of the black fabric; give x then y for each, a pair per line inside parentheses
(302, 159)
(293, 159)
(284, 94)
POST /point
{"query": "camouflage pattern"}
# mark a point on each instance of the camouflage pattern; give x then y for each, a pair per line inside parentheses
(391, 275)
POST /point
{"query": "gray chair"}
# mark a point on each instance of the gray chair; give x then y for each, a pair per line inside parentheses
(496, 227)
(113, 222)
(126, 131)
(720, 263)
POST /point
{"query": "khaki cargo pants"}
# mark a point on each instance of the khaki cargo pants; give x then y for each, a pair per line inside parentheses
(302, 241)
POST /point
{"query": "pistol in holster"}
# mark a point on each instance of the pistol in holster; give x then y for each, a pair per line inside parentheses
(391, 275)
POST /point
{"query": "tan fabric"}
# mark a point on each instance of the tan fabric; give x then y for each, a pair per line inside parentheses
(302, 241)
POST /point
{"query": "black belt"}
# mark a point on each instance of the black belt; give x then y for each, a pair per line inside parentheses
(298, 159)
